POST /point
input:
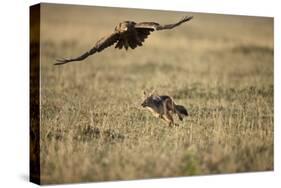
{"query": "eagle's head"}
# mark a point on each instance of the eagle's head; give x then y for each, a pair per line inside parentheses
(124, 26)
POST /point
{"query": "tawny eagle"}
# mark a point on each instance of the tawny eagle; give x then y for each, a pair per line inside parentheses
(126, 34)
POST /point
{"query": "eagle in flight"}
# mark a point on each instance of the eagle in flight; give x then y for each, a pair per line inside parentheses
(126, 34)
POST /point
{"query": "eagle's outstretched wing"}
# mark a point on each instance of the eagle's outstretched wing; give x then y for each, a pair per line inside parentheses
(99, 46)
(152, 26)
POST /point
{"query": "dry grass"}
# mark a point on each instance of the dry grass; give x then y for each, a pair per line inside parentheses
(93, 129)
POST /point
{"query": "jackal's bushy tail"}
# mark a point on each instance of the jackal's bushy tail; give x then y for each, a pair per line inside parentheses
(181, 110)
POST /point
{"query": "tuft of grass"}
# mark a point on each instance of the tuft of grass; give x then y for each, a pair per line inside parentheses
(191, 165)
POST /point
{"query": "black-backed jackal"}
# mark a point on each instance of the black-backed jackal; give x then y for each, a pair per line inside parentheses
(163, 107)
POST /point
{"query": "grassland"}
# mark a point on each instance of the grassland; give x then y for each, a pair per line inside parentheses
(93, 127)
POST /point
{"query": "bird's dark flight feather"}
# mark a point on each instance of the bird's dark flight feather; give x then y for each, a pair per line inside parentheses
(100, 45)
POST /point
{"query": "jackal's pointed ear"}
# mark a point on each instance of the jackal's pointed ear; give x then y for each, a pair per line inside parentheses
(152, 92)
(144, 94)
